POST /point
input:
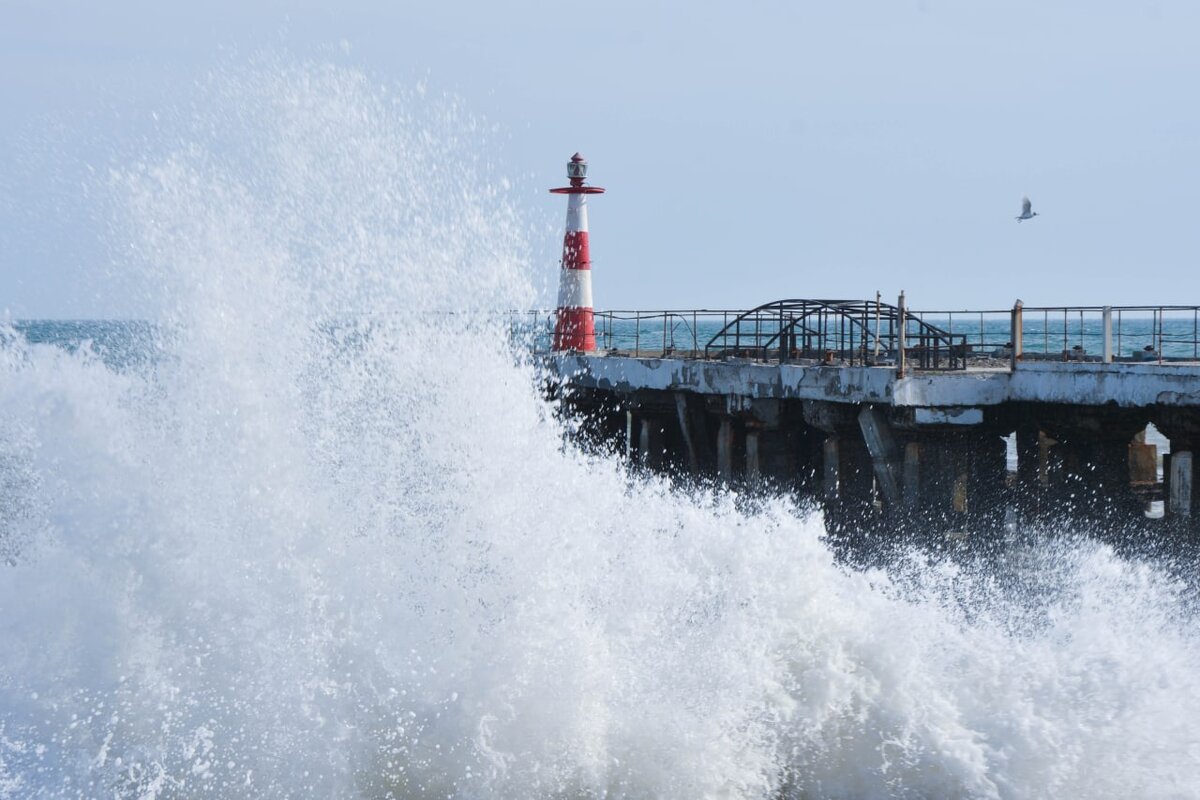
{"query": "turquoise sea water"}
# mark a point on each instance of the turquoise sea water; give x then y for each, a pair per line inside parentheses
(117, 342)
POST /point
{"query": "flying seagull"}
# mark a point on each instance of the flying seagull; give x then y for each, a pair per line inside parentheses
(1026, 209)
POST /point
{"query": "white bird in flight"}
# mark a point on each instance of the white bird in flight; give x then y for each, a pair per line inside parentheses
(1027, 211)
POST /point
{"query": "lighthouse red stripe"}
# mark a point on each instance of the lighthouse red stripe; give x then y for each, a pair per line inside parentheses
(576, 254)
(574, 329)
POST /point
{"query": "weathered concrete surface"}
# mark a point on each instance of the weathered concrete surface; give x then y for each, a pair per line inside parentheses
(955, 415)
(1123, 385)
(747, 379)
(1126, 385)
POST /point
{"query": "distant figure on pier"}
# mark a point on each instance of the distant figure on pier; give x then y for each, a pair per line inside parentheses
(1027, 211)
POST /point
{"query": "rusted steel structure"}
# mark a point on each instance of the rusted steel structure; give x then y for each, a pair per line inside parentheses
(845, 331)
(887, 418)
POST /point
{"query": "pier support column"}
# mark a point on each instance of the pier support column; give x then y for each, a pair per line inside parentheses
(725, 442)
(1029, 456)
(753, 466)
(778, 462)
(849, 486)
(651, 443)
(1143, 469)
(829, 483)
(1049, 461)
(953, 483)
(1097, 483)
(807, 463)
(631, 437)
(885, 455)
(848, 489)
(912, 476)
(987, 471)
(686, 428)
(1181, 489)
(1094, 482)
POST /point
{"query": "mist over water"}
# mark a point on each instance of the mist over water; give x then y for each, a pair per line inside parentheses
(328, 541)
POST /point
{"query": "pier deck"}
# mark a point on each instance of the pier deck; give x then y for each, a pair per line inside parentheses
(882, 434)
(1128, 385)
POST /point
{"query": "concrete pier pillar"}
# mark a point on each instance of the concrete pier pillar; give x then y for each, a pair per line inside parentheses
(1088, 477)
(753, 465)
(1166, 484)
(1049, 461)
(885, 454)
(829, 484)
(631, 437)
(1029, 455)
(725, 443)
(1143, 469)
(849, 485)
(986, 474)
(686, 427)
(1181, 488)
(953, 483)
(651, 444)
(1181, 491)
(778, 463)
(1096, 481)
(807, 463)
(912, 476)
(1143, 461)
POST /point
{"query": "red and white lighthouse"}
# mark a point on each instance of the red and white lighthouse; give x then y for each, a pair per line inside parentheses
(574, 328)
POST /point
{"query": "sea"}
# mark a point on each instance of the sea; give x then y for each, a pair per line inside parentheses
(305, 534)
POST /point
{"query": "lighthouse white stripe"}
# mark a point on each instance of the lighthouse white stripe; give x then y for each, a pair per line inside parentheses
(576, 213)
(575, 288)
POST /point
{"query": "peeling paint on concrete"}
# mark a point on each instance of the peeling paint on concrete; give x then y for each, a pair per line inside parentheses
(1125, 385)
(948, 416)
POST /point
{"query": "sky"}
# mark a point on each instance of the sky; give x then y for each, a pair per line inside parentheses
(751, 151)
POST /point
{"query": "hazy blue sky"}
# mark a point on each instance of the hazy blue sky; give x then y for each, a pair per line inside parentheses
(751, 151)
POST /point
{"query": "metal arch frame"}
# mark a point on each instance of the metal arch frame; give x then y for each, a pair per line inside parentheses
(774, 327)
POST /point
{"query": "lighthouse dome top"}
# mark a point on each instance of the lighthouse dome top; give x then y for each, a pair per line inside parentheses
(577, 167)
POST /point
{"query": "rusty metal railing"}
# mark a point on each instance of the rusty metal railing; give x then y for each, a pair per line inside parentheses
(1078, 333)
(638, 333)
(867, 332)
(665, 332)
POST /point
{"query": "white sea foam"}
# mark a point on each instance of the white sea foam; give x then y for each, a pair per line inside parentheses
(329, 544)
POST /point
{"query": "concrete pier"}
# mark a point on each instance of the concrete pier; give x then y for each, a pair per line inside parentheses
(1182, 488)
(923, 451)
